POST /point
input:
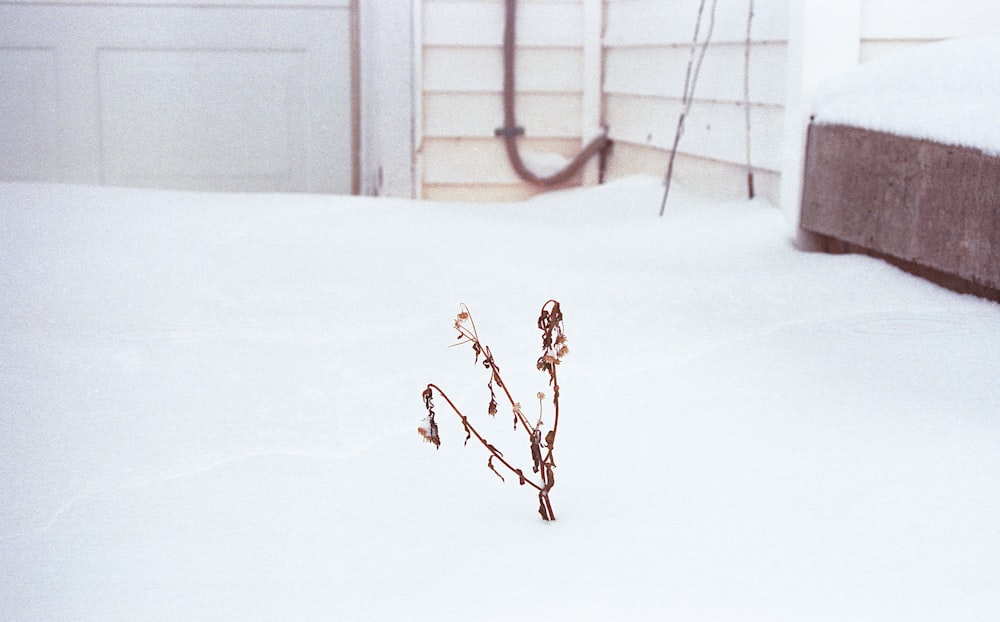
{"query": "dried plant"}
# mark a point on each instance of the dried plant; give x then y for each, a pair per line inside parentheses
(554, 348)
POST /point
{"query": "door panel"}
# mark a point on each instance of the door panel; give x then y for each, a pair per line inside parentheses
(236, 120)
(201, 98)
(28, 101)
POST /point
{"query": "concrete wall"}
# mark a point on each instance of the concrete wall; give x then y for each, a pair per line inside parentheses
(934, 208)
(829, 38)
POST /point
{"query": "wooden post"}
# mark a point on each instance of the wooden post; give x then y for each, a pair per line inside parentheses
(592, 117)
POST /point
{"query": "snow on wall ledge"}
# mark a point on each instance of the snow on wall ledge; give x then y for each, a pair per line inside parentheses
(947, 92)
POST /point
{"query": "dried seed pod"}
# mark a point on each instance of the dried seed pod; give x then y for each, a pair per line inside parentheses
(429, 431)
(536, 450)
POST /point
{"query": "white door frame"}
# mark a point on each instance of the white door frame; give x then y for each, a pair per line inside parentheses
(106, 91)
(384, 96)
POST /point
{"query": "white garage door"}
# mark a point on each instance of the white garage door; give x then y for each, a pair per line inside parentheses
(249, 96)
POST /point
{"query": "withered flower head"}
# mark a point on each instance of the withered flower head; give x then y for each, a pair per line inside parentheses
(428, 430)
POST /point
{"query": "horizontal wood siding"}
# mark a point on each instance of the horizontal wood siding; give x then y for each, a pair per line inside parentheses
(708, 177)
(461, 93)
(890, 25)
(647, 47)
(650, 70)
(713, 129)
(671, 22)
(478, 161)
(554, 115)
(643, 55)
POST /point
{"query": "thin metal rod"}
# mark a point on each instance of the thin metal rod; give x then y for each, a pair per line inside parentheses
(690, 82)
(746, 100)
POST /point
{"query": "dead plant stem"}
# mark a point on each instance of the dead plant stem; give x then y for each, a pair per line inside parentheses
(490, 448)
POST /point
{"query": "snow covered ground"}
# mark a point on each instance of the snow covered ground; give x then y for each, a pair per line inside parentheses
(209, 408)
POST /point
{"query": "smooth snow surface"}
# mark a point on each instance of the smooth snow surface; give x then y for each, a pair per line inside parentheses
(948, 92)
(209, 407)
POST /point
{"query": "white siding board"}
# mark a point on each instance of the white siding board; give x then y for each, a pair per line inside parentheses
(660, 71)
(888, 26)
(482, 23)
(715, 130)
(928, 19)
(647, 50)
(591, 116)
(711, 178)
(655, 22)
(545, 70)
(462, 69)
(462, 81)
(642, 58)
(478, 114)
(871, 49)
(466, 161)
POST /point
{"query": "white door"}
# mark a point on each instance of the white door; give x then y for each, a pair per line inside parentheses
(247, 96)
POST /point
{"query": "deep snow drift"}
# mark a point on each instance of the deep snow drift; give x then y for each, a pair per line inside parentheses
(209, 408)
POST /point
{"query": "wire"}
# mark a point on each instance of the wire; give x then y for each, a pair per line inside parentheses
(690, 82)
(746, 100)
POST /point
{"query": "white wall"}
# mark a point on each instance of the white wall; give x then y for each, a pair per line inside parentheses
(824, 41)
(830, 38)
(888, 25)
(430, 77)
(572, 78)
(387, 94)
(647, 51)
(461, 83)
(215, 96)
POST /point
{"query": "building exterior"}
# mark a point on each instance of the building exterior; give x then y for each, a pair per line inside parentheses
(403, 99)
(584, 64)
